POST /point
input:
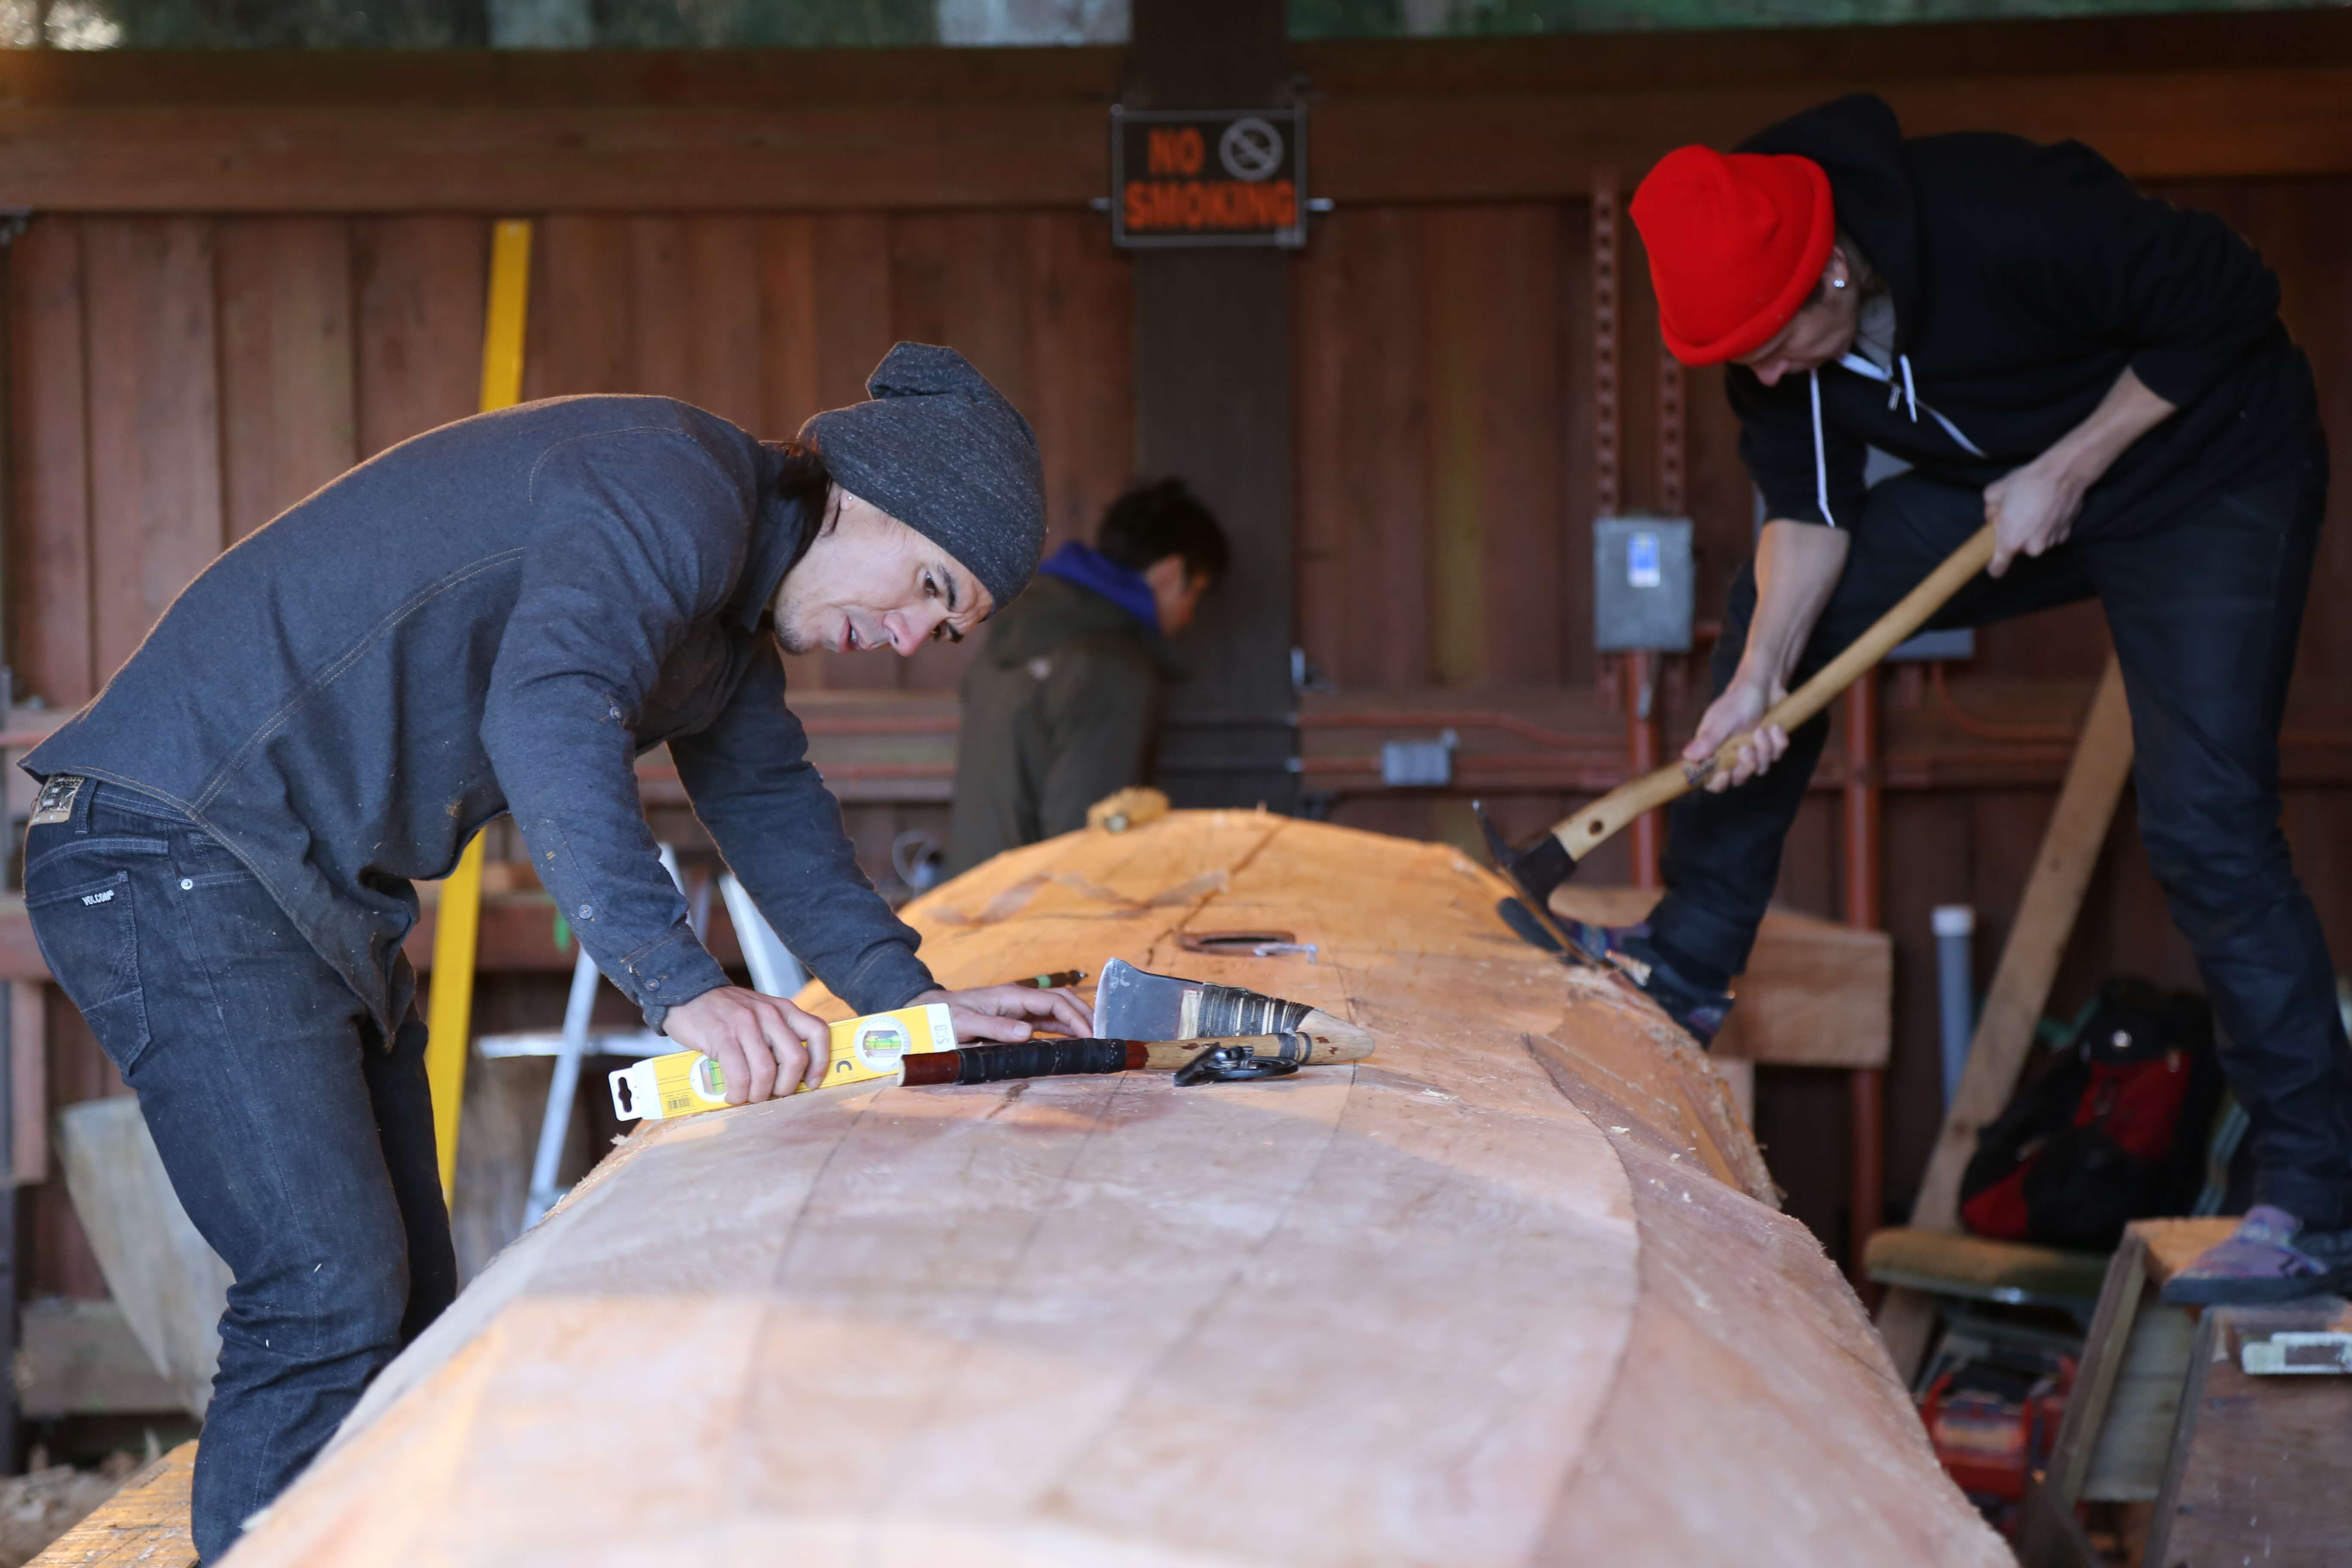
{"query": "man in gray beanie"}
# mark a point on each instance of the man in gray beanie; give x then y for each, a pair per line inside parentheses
(940, 450)
(497, 618)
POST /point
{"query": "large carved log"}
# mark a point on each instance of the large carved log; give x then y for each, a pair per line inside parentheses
(1512, 1291)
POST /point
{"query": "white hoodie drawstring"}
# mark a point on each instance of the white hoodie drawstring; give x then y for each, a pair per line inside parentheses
(1863, 367)
(1821, 455)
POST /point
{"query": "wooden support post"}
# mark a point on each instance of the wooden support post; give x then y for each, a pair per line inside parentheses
(1865, 1086)
(28, 1082)
(2020, 986)
(1213, 394)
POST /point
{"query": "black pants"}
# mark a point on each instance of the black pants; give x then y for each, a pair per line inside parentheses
(2204, 610)
(300, 1146)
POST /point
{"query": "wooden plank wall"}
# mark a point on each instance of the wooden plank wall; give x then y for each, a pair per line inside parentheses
(178, 380)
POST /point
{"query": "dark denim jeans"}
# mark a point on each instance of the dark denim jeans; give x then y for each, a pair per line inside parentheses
(2204, 609)
(300, 1146)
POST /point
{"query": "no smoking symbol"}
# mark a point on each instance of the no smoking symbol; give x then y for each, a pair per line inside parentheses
(1251, 149)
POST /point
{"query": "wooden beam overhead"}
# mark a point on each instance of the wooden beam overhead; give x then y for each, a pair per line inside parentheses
(2175, 97)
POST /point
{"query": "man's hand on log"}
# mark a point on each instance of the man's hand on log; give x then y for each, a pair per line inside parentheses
(764, 1045)
(1009, 1012)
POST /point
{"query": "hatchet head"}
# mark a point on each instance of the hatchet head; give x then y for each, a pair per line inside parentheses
(1536, 872)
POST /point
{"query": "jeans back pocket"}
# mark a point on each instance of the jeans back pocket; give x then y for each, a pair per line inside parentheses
(88, 933)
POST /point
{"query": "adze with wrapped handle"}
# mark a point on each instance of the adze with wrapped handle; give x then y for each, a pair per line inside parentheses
(1541, 867)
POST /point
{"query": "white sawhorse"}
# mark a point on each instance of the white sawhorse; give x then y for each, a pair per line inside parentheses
(775, 971)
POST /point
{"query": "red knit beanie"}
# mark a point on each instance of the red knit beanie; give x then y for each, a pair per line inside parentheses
(1736, 244)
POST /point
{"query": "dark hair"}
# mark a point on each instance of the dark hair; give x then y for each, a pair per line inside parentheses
(804, 480)
(1153, 521)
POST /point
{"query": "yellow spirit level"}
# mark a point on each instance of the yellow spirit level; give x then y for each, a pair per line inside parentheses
(685, 1082)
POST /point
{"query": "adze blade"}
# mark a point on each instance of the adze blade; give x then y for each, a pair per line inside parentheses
(1536, 872)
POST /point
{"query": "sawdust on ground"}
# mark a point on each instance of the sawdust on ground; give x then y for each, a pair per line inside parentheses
(45, 1502)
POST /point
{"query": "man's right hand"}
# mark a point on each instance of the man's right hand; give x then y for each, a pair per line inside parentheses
(1734, 713)
(764, 1045)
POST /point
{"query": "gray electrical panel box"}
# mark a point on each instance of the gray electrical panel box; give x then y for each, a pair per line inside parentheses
(1642, 590)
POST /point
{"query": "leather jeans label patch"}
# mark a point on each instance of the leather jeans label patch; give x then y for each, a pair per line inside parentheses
(57, 800)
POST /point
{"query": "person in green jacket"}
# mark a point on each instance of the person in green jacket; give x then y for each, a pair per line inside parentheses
(1063, 705)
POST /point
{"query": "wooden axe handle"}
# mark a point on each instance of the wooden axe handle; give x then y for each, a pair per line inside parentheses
(1580, 834)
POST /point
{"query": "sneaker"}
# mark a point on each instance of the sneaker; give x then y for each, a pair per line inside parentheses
(2269, 1257)
(1627, 950)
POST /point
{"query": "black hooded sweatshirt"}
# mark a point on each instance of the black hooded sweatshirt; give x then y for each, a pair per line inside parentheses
(2025, 280)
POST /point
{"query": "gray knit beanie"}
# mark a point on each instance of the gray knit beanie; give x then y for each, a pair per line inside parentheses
(940, 450)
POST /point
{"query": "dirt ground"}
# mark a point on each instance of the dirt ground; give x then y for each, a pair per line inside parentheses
(47, 1500)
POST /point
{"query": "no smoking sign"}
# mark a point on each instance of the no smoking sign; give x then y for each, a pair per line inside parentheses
(1208, 177)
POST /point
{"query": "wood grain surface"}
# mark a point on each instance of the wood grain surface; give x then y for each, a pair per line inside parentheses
(144, 1525)
(1505, 1293)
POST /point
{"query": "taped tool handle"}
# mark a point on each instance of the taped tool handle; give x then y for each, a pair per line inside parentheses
(1032, 1059)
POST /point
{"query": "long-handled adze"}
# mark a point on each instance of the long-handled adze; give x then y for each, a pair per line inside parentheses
(1541, 867)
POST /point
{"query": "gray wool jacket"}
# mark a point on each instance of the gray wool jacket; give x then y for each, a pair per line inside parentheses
(500, 615)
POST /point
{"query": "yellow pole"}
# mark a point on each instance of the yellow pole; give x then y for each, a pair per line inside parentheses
(459, 920)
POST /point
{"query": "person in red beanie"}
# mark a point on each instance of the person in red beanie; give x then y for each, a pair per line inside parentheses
(2104, 378)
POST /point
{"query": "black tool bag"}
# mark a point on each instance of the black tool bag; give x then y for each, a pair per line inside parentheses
(2113, 1131)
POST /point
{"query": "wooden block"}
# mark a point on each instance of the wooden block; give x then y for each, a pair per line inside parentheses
(2143, 1406)
(144, 1525)
(2172, 1244)
(2259, 1471)
(1816, 993)
(80, 1358)
(2103, 1353)
(171, 1284)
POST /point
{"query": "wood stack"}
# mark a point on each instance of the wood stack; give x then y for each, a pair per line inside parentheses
(1512, 1291)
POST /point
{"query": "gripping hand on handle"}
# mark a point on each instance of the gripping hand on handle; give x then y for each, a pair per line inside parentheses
(1734, 714)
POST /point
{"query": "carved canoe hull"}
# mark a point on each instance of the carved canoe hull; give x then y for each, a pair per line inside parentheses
(1510, 1292)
